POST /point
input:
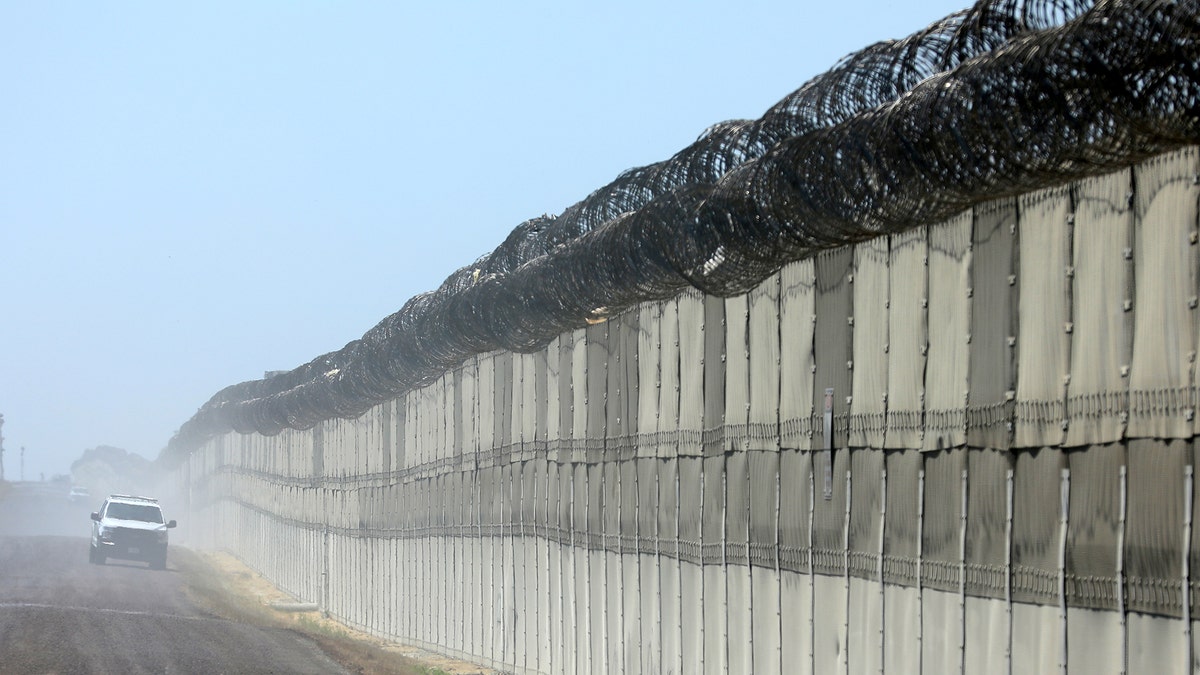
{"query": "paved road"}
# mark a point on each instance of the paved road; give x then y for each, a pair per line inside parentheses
(59, 614)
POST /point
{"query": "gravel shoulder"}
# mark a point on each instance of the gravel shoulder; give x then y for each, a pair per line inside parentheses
(224, 586)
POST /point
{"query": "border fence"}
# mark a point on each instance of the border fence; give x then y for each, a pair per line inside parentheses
(933, 423)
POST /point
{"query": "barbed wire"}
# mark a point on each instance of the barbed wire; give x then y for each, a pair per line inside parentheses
(1003, 98)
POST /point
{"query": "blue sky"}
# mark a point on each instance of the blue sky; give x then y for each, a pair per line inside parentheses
(194, 193)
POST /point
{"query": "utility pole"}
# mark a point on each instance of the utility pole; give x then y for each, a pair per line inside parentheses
(1, 448)
(22, 464)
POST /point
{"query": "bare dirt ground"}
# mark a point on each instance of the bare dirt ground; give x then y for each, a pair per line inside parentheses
(227, 587)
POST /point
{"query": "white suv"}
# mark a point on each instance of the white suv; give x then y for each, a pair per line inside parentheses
(130, 528)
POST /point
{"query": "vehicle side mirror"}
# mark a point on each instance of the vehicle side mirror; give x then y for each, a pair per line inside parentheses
(170, 523)
(96, 516)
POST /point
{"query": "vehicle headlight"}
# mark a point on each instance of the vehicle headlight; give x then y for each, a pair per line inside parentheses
(104, 534)
(162, 536)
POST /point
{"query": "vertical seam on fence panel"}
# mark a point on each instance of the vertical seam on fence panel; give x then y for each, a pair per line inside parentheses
(879, 563)
(587, 587)
(549, 572)
(678, 568)
(1063, 512)
(1008, 608)
(725, 549)
(658, 557)
(574, 566)
(749, 556)
(604, 598)
(443, 607)
(778, 575)
(920, 585)
(1120, 581)
(511, 580)
(637, 555)
(478, 647)
(620, 555)
(1186, 567)
(703, 604)
(812, 582)
(846, 565)
(525, 602)
(962, 575)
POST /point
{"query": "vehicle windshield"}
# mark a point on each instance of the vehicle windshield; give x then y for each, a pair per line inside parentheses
(142, 512)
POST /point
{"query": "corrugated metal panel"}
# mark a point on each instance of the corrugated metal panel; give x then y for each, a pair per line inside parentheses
(621, 400)
(833, 341)
(1102, 339)
(1166, 272)
(580, 388)
(994, 294)
(765, 585)
(764, 491)
(596, 403)
(1092, 532)
(540, 406)
(908, 338)
(519, 404)
(736, 358)
(647, 592)
(649, 378)
(691, 376)
(1036, 508)
(900, 530)
(485, 406)
(668, 423)
(566, 394)
(797, 312)
(1194, 552)
(667, 511)
(713, 330)
(1154, 525)
(829, 511)
(691, 579)
(736, 569)
(871, 293)
(987, 515)
(765, 366)
(1044, 317)
(554, 399)
(796, 493)
(866, 500)
(737, 509)
(941, 536)
(468, 397)
(949, 329)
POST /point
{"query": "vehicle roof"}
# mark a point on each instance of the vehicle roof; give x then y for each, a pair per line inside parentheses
(130, 499)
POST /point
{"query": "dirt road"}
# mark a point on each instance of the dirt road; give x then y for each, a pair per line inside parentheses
(59, 614)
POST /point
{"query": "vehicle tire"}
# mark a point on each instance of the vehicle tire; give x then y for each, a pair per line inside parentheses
(159, 562)
(96, 557)
(92, 554)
